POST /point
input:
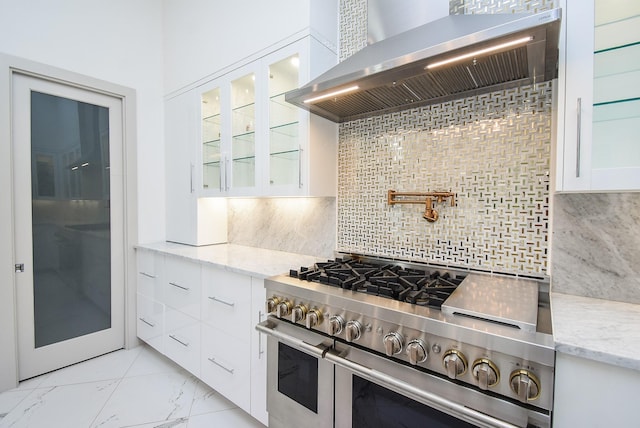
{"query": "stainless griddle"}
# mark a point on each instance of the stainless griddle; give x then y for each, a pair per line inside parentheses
(508, 301)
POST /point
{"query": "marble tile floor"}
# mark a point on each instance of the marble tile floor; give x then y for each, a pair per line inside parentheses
(127, 388)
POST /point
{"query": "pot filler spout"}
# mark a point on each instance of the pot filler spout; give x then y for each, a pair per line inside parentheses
(453, 57)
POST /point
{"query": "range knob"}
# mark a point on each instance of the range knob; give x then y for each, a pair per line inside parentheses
(283, 308)
(314, 318)
(486, 373)
(455, 363)
(336, 323)
(298, 313)
(353, 330)
(525, 384)
(392, 343)
(272, 303)
(417, 351)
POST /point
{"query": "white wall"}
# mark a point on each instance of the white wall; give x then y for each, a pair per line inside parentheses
(119, 41)
(205, 36)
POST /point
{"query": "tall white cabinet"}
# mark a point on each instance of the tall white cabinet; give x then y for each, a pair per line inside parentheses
(599, 96)
(191, 219)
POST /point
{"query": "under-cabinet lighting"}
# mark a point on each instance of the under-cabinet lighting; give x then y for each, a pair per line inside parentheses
(493, 48)
(332, 94)
(295, 61)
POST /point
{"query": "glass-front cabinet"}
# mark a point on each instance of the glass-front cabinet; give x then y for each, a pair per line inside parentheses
(243, 132)
(254, 143)
(284, 124)
(211, 139)
(598, 126)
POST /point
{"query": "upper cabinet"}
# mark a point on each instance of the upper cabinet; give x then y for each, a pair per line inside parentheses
(599, 96)
(252, 142)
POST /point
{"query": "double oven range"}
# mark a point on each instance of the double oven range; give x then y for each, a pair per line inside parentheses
(360, 342)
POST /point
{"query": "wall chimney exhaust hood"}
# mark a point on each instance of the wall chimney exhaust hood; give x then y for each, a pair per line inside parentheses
(453, 57)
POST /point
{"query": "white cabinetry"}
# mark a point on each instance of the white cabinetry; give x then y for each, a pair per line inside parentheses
(258, 353)
(599, 101)
(191, 219)
(150, 309)
(203, 319)
(253, 143)
(594, 394)
(181, 295)
(226, 306)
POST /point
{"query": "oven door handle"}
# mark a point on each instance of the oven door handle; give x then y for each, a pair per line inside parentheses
(404, 388)
(269, 328)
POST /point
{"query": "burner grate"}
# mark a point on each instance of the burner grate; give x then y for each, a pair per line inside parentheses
(416, 286)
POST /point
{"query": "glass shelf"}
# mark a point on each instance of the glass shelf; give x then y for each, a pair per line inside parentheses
(243, 146)
(617, 121)
(289, 154)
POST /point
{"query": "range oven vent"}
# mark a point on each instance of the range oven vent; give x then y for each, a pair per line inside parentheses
(482, 53)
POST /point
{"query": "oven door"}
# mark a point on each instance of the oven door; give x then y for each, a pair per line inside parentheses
(373, 391)
(299, 381)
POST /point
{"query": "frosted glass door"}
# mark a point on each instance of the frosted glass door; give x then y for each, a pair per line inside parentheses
(68, 224)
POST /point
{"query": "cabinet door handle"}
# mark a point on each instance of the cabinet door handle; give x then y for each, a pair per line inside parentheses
(148, 275)
(220, 365)
(578, 135)
(300, 167)
(182, 342)
(226, 174)
(179, 286)
(260, 350)
(215, 299)
(191, 177)
(150, 324)
(223, 173)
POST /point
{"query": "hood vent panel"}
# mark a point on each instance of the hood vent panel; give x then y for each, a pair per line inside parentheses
(404, 81)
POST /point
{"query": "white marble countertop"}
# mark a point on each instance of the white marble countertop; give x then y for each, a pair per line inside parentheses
(600, 330)
(256, 262)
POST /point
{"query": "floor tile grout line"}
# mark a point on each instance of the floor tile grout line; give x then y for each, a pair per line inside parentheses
(139, 351)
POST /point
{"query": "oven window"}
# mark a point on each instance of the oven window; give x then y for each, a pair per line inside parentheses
(298, 376)
(378, 407)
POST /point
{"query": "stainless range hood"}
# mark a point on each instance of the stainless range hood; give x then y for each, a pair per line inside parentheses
(453, 57)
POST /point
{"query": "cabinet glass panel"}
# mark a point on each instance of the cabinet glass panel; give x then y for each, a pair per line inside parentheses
(284, 144)
(243, 148)
(616, 93)
(210, 113)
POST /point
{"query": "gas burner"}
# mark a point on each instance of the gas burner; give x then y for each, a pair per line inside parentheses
(417, 286)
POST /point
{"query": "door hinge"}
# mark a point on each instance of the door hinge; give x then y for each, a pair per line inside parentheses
(19, 267)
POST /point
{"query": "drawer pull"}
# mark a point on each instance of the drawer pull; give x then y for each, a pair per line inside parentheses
(150, 324)
(148, 275)
(221, 301)
(179, 341)
(220, 365)
(179, 286)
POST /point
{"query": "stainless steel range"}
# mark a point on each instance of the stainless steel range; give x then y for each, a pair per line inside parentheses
(358, 342)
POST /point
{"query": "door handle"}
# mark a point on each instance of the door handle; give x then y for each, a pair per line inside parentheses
(19, 267)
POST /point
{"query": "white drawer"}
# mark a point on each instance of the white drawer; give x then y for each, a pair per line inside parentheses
(150, 267)
(150, 321)
(182, 340)
(182, 289)
(226, 366)
(226, 302)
